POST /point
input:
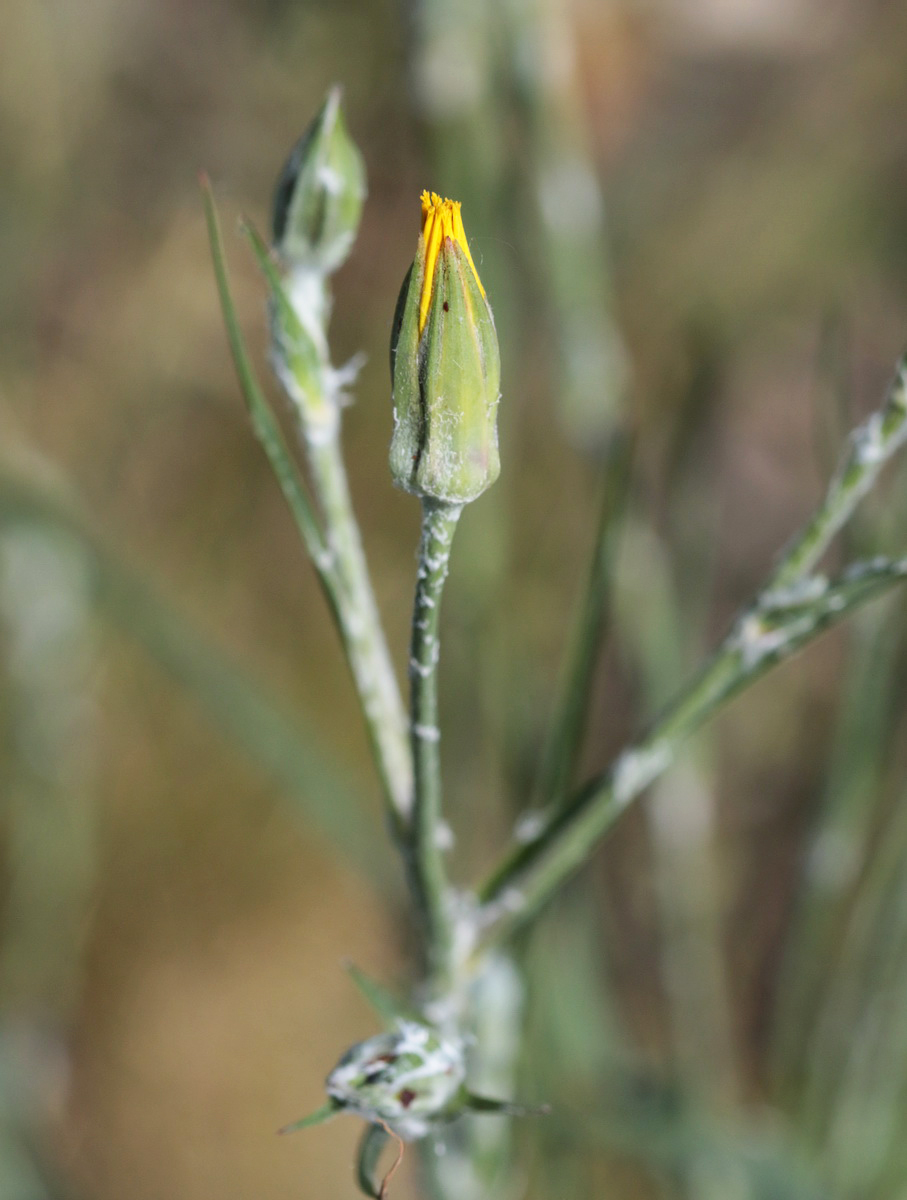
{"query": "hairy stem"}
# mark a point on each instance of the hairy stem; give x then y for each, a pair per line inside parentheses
(869, 448)
(426, 840)
(361, 630)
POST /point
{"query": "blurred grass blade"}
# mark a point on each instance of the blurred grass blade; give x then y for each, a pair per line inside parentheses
(242, 711)
(854, 1092)
(840, 844)
(382, 1001)
(50, 671)
(568, 243)
(572, 704)
(237, 705)
(754, 1162)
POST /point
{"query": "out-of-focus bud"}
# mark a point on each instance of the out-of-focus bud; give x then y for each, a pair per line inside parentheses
(409, 1079)
(445, 367)
(319, 195)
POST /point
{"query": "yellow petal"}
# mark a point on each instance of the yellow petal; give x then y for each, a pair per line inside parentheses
(440, 219)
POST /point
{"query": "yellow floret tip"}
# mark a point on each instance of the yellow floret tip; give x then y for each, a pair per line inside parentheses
(440, 219)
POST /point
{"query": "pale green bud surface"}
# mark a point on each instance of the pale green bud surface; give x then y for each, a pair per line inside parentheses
(445, 368)
(410, 1078)
(319, 195)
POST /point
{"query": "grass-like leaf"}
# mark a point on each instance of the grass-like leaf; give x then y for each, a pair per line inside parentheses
(264, 423)
(374, 1139)
(236, 703)
(318, 1117)
(382, 1001)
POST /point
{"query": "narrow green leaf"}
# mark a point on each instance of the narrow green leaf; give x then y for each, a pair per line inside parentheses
(270, 271)
(374, 1139)
(581, 659)
(504, 1108)
(318, 1117)
(378, 997)
(292, 340)
(266, 427)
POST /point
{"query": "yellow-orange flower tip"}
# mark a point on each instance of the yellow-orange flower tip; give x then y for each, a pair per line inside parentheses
(440, 219)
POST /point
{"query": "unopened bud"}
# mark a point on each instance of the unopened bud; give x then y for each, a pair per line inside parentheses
(319, 195)
(445, 367)
(408, 1079)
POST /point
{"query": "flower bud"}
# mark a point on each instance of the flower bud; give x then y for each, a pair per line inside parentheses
(409, 1079)
(319, 195)
(445, 367)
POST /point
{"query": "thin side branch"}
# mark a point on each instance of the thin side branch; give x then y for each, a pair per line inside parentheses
(792, 609)
(763, 637)
(869, 448)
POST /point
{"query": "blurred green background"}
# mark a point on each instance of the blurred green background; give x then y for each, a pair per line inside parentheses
(691, 219)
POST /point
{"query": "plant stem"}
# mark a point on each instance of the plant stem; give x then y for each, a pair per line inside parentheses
(762, 637)
(869, 448)
(425, 847)
(360, 628)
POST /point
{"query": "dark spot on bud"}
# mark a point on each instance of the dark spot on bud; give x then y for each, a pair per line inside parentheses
(376, 1068)
(406, 1097)
(446, 306)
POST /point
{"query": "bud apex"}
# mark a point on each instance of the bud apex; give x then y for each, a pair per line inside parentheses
(319, 195)
(445, 367)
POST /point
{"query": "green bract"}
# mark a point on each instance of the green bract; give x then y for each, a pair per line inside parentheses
(445, 368)
(319, 195)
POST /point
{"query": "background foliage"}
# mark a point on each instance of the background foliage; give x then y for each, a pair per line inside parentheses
(190, 830)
